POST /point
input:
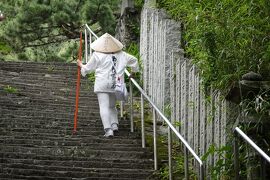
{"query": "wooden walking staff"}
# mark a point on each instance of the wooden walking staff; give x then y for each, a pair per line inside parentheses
(78, 86)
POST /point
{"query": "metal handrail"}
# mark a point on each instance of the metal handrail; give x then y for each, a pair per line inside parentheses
(170, 127)
(238, 131)
(88, 31)
(155, 112)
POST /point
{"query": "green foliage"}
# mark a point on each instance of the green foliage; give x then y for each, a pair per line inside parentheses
(258, 106)
(223, 168)
(139, 4)
(91, 77)
(134, 50)
(177, 124)
(168, 110)
(4, 48)
(178, 169)
(224, 38)
(50, 68)
(10, 89)
(42, 28)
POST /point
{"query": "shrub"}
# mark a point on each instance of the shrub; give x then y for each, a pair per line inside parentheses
(224, 38)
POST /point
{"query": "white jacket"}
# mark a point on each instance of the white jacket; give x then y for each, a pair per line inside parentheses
(102, 64)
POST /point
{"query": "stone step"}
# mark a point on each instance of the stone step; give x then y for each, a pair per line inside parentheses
(49, 89)
(40, 101)
(46, 159)
(36, 129)
(29, 122)
(45, 123)
(15, 142)
(78, 138)
(123, 136)
(44, 73)
(8, 177)
(51, 121)
(36, 106)
(25, 64)
(50, 113)
(95, 173)
(65, 146)
(83, 163)
(40, 78)
(40, 68)
(81, 151)
(45, 90)
(35, 116)
(60, 131)
(35, 65)
(39, 82)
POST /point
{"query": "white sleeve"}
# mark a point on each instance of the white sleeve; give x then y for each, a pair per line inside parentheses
(90, 66)
(132, 62)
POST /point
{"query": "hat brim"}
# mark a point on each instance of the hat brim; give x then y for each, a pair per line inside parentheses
(106, 44)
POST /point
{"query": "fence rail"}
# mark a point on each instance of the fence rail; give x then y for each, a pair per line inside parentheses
(239, 132)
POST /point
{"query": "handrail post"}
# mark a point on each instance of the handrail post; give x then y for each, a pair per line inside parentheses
(170, 152)
(142, 122)
(90, 41)
(262, 169)
(201, 172)
(186, 163)
(121, 109)
(155, 139)
(236, 156)
(157, 111)
(86, 43)
(131, 107)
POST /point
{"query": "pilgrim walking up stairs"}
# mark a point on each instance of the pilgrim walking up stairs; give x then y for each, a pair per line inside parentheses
(36, 123)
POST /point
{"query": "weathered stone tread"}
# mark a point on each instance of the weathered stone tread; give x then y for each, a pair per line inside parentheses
(36, 129)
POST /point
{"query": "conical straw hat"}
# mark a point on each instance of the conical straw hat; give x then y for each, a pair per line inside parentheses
(107, 43)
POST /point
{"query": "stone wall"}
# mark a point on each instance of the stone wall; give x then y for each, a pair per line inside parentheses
(158, 37)
(126, 29)
(172, 81)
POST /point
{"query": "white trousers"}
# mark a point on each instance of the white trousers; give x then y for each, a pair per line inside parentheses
(107, 108)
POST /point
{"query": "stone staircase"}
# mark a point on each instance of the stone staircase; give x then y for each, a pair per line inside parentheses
(36, 122)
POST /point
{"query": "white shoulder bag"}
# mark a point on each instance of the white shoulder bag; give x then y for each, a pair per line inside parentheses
(120, 88)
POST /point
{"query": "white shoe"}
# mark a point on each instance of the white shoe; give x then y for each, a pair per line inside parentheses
(115, 127)
(108, 133)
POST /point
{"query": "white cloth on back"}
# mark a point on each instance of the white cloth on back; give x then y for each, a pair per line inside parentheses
(101, 63)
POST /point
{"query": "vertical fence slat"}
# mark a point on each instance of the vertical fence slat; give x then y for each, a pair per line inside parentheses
(86, 46)
(203, 121)
(90, 41)
(210, 129)
(131, 107)
(190, 106)
(186, 163)
(217, 124)
(121, 109)
(197, 131)
(178, 94)
(170, 152)
(236, 158)
(155, 139)
(142, 122)
(184, 99)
